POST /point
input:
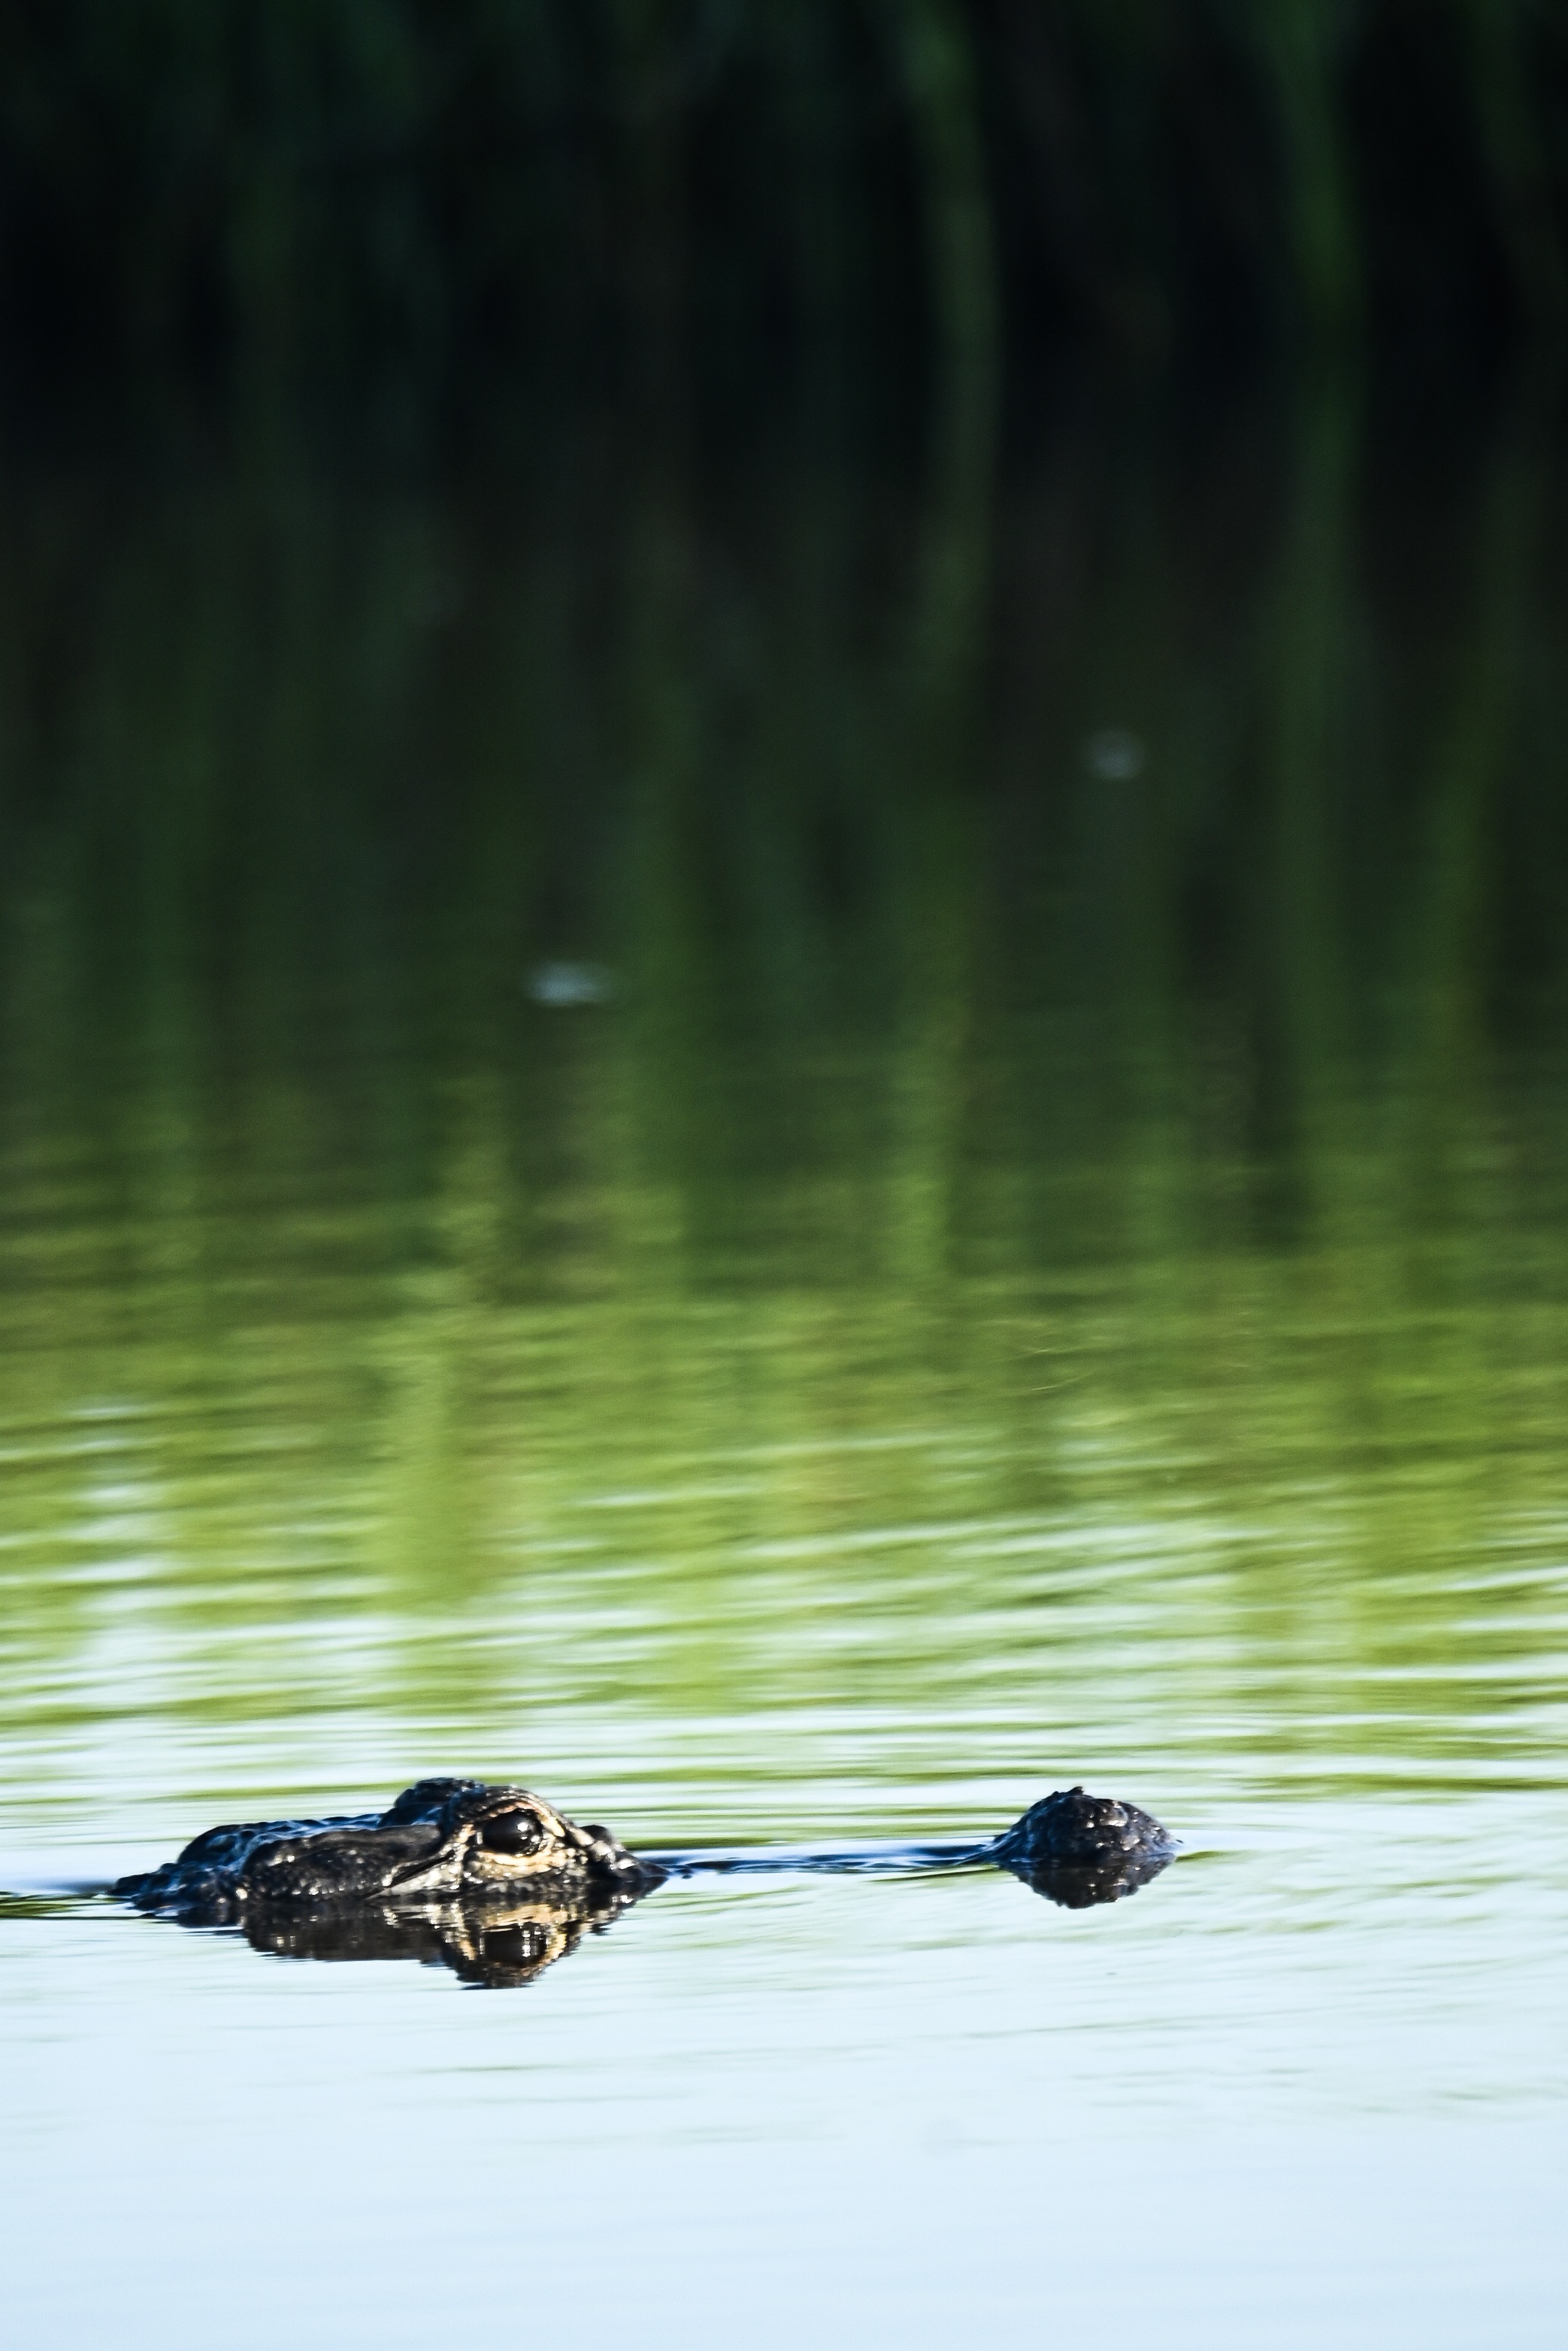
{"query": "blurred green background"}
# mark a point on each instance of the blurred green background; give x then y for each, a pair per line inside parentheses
(797, 727)
(400, 210)
(658, 1033)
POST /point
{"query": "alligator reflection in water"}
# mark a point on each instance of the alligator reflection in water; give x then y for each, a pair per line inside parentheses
(496, 1884)
(490, 1943)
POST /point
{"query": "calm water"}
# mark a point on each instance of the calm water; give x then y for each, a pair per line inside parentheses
(773, 1324)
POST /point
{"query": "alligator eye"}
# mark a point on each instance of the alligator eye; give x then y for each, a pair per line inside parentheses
(519, 1833)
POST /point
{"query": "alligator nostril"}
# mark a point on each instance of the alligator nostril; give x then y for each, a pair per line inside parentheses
(517, 1832)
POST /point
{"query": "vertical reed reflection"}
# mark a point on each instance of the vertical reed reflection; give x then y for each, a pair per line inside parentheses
(1070, 986)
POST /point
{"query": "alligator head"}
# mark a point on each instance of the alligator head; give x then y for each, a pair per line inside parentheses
(444, 1841)
(439, 1843)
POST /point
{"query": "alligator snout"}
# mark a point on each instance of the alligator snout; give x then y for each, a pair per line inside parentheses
(1081, 1849)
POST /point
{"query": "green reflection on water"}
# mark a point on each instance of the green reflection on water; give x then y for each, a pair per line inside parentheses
(1053, 1215)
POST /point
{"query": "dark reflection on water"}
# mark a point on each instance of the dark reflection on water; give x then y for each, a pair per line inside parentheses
(795, 1155)
(502, 1945)
(498, 1946)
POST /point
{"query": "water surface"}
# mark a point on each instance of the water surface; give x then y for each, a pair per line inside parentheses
(901, 1330)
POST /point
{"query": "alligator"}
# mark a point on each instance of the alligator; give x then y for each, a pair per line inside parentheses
(496, 1884)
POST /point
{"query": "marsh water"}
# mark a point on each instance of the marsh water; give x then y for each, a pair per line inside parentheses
(795, 1163)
